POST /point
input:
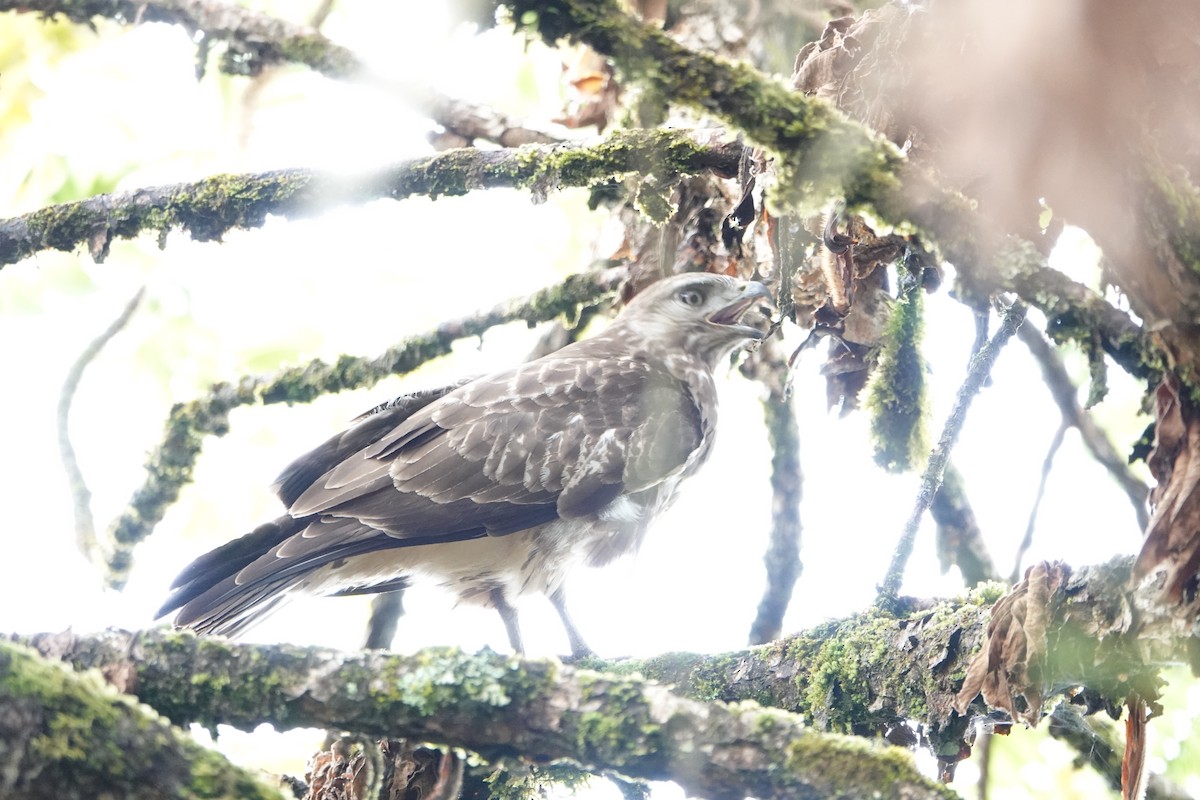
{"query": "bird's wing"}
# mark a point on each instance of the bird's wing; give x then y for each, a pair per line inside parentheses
(559, 437)
(367, 429)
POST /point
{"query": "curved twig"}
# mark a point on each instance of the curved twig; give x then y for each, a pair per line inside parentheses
(81, 496)
(1065, 395)
(1047, 464)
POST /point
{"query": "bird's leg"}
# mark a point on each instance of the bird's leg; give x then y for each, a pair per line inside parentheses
(509, 615)
(579, 648)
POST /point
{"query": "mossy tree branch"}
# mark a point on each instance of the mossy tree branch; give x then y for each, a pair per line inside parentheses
(823, 153)
(67, 735)
(209, 208)
(867, 673)
(501, 707)
(169, 467)
(819, 147)
(253, 40)
(864, 674)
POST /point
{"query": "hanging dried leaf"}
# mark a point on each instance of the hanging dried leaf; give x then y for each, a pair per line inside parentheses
(1173, 535)
(1008, 670)
(1133, 764)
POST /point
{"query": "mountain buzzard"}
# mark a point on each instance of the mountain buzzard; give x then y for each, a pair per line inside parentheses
(496, 486)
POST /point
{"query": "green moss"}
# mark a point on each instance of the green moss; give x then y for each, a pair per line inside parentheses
(536, 782)
(1175, 211)
(619, 728)
(316, 51)
(896, 394)
(987, 593)
(845, 668)
(64, 226)
(95, 741)
(709, 680)
(848, 764)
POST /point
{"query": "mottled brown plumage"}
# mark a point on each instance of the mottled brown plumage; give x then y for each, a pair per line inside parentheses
(496, 486)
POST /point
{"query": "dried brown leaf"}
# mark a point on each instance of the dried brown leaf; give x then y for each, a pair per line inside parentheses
(1173, 535)
(1009, 666)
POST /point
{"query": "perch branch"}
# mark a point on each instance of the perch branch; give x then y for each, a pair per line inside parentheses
(861, 674)
(170, 466)
(209, 208)
(931, 480)
(499, 706)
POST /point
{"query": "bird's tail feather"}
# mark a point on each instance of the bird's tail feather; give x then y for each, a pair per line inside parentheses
(207, 595)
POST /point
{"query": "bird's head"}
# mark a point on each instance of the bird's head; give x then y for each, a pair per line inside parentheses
(699, 313)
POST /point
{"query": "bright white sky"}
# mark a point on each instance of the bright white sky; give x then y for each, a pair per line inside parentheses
(359, 279)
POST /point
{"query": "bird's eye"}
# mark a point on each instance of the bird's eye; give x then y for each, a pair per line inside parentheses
(691, 297)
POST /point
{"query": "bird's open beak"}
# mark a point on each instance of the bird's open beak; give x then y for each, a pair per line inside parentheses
(754, 295)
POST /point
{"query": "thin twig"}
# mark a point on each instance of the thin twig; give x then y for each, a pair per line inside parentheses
(959, 538)
(982, 319)
(782, 558)
(320, 14)
(1099, 746)
(1065, 395)
(169, 467)
(81, 496)
(1047, 465)
(977, 373)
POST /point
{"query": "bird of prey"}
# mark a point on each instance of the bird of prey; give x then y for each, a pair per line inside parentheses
(496, 486)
